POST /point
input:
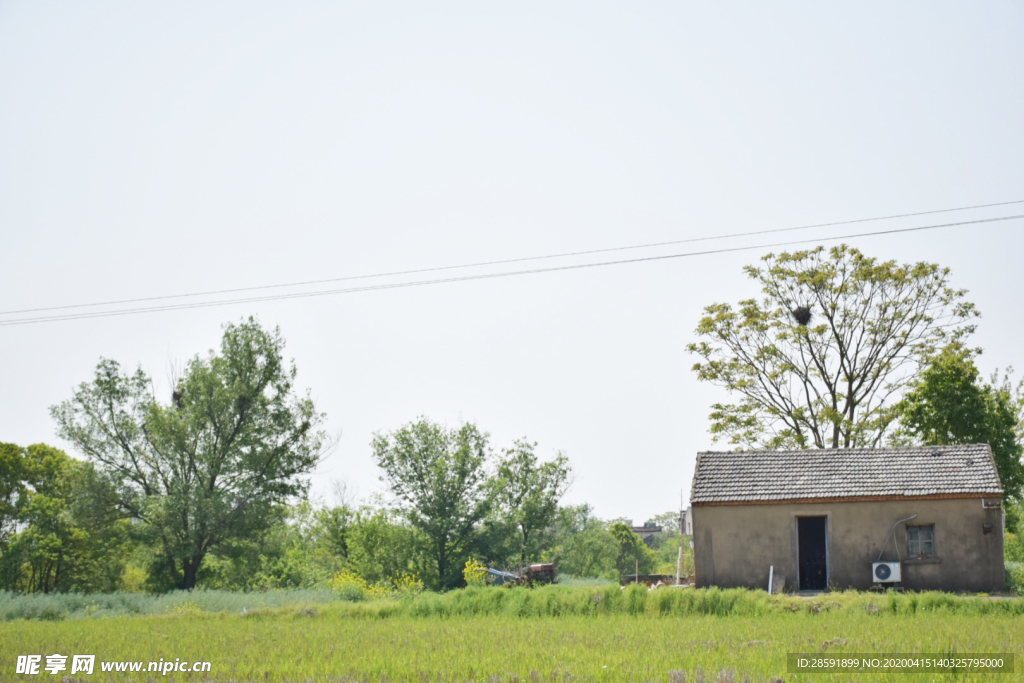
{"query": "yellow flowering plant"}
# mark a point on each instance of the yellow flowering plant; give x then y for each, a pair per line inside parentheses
(474, 573)
(350, 586)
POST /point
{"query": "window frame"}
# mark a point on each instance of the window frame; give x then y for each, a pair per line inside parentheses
(920, 543)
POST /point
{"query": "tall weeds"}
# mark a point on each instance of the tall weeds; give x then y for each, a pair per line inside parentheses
(544, 601)
(59, 606)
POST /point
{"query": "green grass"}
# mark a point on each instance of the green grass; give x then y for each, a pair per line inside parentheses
(321, 644)
(551, 633)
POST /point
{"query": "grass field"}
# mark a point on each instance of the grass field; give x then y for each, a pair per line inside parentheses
(547, 634)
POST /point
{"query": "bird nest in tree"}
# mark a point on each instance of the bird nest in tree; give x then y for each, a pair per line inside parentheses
(802, 315)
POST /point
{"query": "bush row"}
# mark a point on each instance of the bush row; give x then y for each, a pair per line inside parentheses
(637, 600)
(545, 601)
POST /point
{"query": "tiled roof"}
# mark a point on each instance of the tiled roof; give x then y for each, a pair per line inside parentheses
(817, 474)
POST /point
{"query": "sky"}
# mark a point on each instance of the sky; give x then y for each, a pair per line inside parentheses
(153, 149)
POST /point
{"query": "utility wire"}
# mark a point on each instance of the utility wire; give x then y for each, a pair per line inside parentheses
(484, 276)
(502, 261)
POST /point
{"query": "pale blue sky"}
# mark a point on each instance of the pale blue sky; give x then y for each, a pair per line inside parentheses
(150, 149)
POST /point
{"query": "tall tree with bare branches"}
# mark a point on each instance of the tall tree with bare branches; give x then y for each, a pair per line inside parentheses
(821, 358)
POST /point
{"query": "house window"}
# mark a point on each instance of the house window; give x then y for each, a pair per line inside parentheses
(921, 541)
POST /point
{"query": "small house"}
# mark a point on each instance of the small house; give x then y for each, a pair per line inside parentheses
(648, 532)
(922, 518)
(686, 522)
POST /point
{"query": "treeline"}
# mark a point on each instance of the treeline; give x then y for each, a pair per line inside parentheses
(62, 531)
(210, 488)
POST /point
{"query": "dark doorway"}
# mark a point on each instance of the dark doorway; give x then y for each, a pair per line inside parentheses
(813, 556)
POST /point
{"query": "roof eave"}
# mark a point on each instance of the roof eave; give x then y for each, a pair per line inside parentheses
(850, 499)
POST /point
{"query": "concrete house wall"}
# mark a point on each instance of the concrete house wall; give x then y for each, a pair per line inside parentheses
(735, 544)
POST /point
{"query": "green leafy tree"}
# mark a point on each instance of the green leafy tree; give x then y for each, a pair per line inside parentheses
(289, 553)
(38, 557)
(666, 544)
(210, 465)
(303, 546)
(92, 505)
(581, 544)
(819, 360)
(1013, 542)
(527, 492)
(70, 535)
(383, 547)
(573, 519)
(331, 529)
(632, 553)
(590, 553)
(13, 490)
(666, 555)
(497, 542)
(255, 562)
(439, 476)
(1014, 511)
(949, 403)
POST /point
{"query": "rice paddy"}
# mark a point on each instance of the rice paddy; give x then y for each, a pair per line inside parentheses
(553, 633)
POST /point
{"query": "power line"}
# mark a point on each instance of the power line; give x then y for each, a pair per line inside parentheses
(484, 276)
(500, 262)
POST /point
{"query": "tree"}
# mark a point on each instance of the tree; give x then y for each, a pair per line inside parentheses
(633, 554)
(383, 547)
(950, 404)
(287, 554)
(591, 553)
(819, 360)
(528, 491)
(496, 541)
(668, 521)
(440, 477)
(582, 545)
(69, 535)
(666, 544)
(210, 465)
(13, 490)
(38, 556)
(331, 528)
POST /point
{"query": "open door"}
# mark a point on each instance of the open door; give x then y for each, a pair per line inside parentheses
(813, 552)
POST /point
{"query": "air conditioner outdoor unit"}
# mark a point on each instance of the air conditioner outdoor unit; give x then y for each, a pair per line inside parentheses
(885, 572)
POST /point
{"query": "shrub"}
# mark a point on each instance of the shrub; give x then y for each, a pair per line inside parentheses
(1013, 547)
(351, 587)
(1015, 577)
(408, 586)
